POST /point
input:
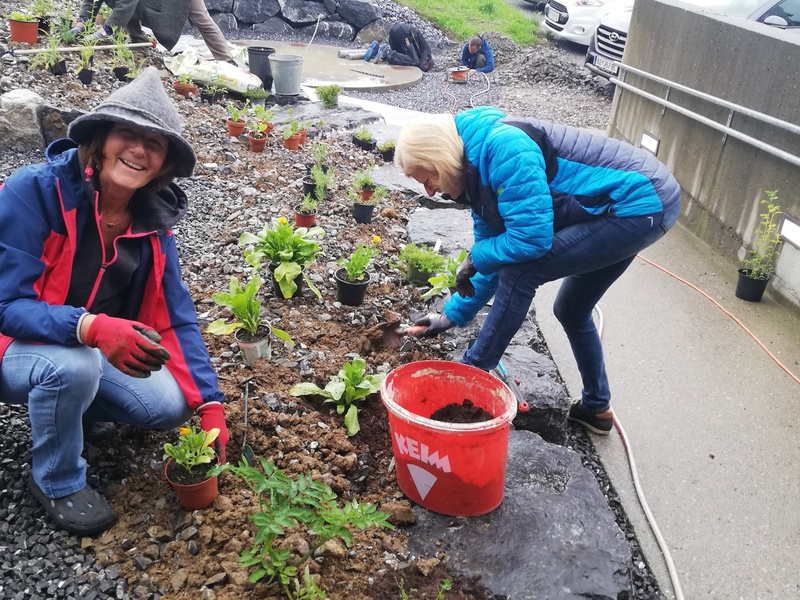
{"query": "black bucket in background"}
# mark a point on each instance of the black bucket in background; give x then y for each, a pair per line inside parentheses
(258, 57)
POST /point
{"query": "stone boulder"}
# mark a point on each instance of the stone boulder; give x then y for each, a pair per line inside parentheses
(19, 124)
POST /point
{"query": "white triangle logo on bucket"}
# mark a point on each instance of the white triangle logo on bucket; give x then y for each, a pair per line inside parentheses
(423, 479)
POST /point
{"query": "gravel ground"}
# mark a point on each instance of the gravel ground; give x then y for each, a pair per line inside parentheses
(38, 562)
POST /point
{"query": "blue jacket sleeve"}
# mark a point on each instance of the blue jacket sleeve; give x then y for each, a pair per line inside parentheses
(465, 55)
(489, 54)
(514, 167)
(24, 231)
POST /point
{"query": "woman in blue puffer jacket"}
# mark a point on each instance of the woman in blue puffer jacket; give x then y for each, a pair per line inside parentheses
(548, 202)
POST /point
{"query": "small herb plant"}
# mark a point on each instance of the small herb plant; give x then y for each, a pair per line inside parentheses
(379, 193)
(185, 79)
(329, 94)
(246, 307)
(363, 178)
(387, 145)
(42, 8)
(760, 260)
(86, 53)
(48, 59)
(193, 447)
(216, 89)
(363, 134)
(288, 251)
(319, 153)
(421, 258)
(446, 278)
(301, 504)
(256, 93)
(359, 260)
(237, 114)
(21, 16)
(322, 180)
(291, 128)
(309, 205)
(351, 385)
(123, 56)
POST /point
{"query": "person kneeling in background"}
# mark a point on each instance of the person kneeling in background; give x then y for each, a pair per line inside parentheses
(477, 54)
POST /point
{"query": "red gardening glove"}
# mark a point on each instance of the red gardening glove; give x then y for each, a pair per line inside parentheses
(212, 415)
(130, 346)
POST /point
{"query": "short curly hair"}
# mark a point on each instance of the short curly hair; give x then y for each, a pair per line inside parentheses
(432, 143)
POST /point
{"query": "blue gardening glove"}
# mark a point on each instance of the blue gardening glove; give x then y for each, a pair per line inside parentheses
(79, 27)
(464, 273)
(434, 324)
(102, 32)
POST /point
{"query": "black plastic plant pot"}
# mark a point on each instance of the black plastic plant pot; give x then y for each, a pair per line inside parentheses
(309, 187)
(60, 68)
(368, 145)
(206, 97)
(749, 289)
(350, 293)
(387, 155)
(362, 213)
(276, 287)
(44, 25)
(121, 73)
(85, 76)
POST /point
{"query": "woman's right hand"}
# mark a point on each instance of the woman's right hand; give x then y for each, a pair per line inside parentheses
(433, 324)
(130, 346)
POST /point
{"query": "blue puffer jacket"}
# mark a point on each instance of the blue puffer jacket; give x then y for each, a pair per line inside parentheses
(513, 174)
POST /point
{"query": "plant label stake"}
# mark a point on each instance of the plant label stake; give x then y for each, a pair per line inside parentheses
(247, 452)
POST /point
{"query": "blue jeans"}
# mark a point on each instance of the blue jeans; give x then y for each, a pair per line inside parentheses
(590, 256)
(64, 385)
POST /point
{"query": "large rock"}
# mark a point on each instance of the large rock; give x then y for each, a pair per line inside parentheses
(225, 21)
(272, 26)
(19, 125)
(54, 121)
(255, 11)
(552, 537)
(219, 5)
(301, 12)
(359, 13)
(338, 30)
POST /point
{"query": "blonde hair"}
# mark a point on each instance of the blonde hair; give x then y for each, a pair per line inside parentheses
(432, 143)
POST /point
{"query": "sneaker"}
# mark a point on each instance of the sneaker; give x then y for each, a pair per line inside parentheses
(371, 51)
(592, 421)
(381, 54)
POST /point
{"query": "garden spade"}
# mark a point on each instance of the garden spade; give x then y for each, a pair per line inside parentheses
(389, 334)
(247, 452)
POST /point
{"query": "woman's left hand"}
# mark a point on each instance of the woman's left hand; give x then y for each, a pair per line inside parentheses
(466, 270)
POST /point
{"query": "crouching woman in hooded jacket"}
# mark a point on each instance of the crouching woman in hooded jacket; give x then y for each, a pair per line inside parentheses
(548, 202)
(92, 304)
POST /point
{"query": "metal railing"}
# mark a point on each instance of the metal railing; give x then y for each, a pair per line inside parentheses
(724, 128)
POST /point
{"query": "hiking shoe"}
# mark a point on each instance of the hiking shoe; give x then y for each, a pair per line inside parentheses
(592, 421)
(371, 51)
(381, 54)
(83, 513)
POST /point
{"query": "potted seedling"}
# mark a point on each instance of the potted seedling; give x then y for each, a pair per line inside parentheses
(264, 115)
(257, 95)
(122, 57)
(135, 68)
(420, 263)
(185, 86)
(347, 390)
(445, 280)
(305, 213)
(363, 209)
(51, 59)
(42, 10)
(364, 183)
(287, 252)
(352, 277)
(329, 94)
(250, 329)
(364, 139)
(319, 156)
(758, 266)
(86, 61)
(386, 148)
(236, 122)
(257, 135)
(291, 135)
(317, 182)
(23, 27)
(193, 485)
(212, 94)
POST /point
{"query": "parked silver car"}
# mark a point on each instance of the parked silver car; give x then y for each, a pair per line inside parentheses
(608, 42)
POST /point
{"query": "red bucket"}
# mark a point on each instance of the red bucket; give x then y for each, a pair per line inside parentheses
(455, 469)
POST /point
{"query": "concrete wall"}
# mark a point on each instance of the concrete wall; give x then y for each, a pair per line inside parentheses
(746, 63)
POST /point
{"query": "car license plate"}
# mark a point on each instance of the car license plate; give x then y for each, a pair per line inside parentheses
(606, 65)
(551, 13)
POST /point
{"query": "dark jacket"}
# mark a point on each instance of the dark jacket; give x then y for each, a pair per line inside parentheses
(45, 218)
(409, 47)
(165, 17)
(471, 60)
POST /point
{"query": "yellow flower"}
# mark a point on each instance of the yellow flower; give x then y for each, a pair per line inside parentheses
(282, 220)
(184, 430)
(376, 239)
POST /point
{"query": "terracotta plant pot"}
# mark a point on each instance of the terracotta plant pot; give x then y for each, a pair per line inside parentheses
(85, 76)
(303, 136)
(257, 143)
(235, 128)
(362, 213)
(253, 347)
(24, 32)
(350, 293)
(192, 496)
(184, 89)
(749, 289)
(292, 143)
(302, 219)
(366, 194)
(121, 73)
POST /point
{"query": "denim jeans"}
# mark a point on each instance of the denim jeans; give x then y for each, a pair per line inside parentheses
(64, 385)
(589, 255)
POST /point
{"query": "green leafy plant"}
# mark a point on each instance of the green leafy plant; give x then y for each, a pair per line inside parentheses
(351, 385)
(421, 258)
(237, 114)
(246, 307)
(319, 153)
(446, 278)
(356, 265)
(329, 94)
(363, 177)
(185, 79)
(378, 194)
(123, 56)
(42, 8)
(288, 250)
(760, 260)
(256, 93)
(363, 134)
(48, 59)
(322, 180)
(303, 503)
(309, 205)
(21, 16)
(257, 129)
(306, 589)
(387, 145)
(193, 447)
(216, 89)
(86, 53)
(135, 68)
(292, 127)
(261, 114)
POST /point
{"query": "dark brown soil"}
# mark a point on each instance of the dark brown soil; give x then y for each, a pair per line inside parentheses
(466, 412)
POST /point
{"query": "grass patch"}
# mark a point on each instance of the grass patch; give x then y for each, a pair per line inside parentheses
(464, 18)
